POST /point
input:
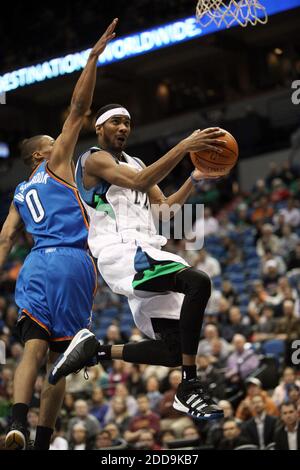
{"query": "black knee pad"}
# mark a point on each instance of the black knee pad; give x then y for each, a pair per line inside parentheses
(193, 280)
(167, 331)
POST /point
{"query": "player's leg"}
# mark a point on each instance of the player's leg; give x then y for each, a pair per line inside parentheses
(85, 350)
(25, 376)
(196, 287)
(156, 352)
(51, 401)
(164, 351)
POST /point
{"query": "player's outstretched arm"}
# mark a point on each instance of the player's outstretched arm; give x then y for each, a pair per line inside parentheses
(102, 165)
(9, 233)
(81, 102)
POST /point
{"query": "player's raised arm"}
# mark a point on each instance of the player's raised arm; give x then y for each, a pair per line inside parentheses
(81, 102)
(9, 233)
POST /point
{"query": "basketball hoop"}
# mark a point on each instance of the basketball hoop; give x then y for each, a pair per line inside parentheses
(229, 11)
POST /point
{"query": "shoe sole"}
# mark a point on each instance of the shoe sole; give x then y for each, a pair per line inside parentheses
(75, 341)
(177, 405)
(15, 440)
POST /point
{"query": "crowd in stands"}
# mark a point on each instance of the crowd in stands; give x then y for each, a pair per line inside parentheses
(248, 355)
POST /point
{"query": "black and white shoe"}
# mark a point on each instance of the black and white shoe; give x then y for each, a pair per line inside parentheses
(193, 400)
(82, 349)
(17, 437)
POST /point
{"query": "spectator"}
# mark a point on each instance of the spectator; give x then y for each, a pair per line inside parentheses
(114, 335)
(82, 416)
(288, 241)
(210, 377)
(231, 435)
(191, 432)
(79, 438)
(210, 226)
(291, 214)
(263, 211)
(103, 440)
(242, 361)
(135, 382)
(131, 403)
(146, 441)
(265, 327)
(288, 328)
(118, 413)
(280, 394)
(207, 263)
(172, 419)
(294, 259)
(32, 419)
(254, 388)
(167, 436)
(271, 276)
(205, 345)
(99, 406)
(116, 376)
(144, 419)
(237, 325)
(58, 442)
(153, 393)
(260, 429)
(294, 395)
(288, 436)
(229, 293)
(279, 191)
(268, 241)
(114, 431)
(215, 428)
(217, 359)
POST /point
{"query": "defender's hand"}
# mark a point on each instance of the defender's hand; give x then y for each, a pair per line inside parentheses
(104, 40)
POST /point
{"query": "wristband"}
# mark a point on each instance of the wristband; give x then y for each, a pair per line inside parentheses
(197, 183)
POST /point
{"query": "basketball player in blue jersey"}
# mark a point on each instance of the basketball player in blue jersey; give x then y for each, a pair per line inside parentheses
(55, 288)
(166, 296)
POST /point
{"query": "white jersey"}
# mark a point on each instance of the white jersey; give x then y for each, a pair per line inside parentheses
(116, 214)
(124, 239)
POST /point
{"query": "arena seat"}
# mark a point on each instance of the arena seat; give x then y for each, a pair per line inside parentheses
(247, 447)
(274, 347)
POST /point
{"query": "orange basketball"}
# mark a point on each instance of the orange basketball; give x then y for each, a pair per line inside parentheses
(217, 164)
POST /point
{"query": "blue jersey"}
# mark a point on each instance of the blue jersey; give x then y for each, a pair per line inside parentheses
(51, 210)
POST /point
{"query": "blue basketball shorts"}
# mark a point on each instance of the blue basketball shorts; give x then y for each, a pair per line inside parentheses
(55, 289)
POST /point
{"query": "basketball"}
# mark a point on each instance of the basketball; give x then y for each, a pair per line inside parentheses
(217, 164)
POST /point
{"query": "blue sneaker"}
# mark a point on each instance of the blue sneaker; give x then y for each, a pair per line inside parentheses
(80, 353)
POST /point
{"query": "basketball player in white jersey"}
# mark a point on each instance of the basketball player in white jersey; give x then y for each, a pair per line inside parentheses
(166, 296)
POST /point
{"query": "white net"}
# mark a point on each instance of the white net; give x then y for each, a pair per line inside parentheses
(243, 11)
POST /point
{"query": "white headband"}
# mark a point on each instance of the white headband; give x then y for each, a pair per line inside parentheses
(112, 112)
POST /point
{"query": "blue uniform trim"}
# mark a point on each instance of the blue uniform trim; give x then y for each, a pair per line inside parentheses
(90, 195)
(141, 261)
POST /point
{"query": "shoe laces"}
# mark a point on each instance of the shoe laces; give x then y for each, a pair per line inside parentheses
(197, 387)
(85, 373)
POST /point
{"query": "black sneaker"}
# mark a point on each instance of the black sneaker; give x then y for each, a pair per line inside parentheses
(82, 349)
(193, 400)
(17, 437)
